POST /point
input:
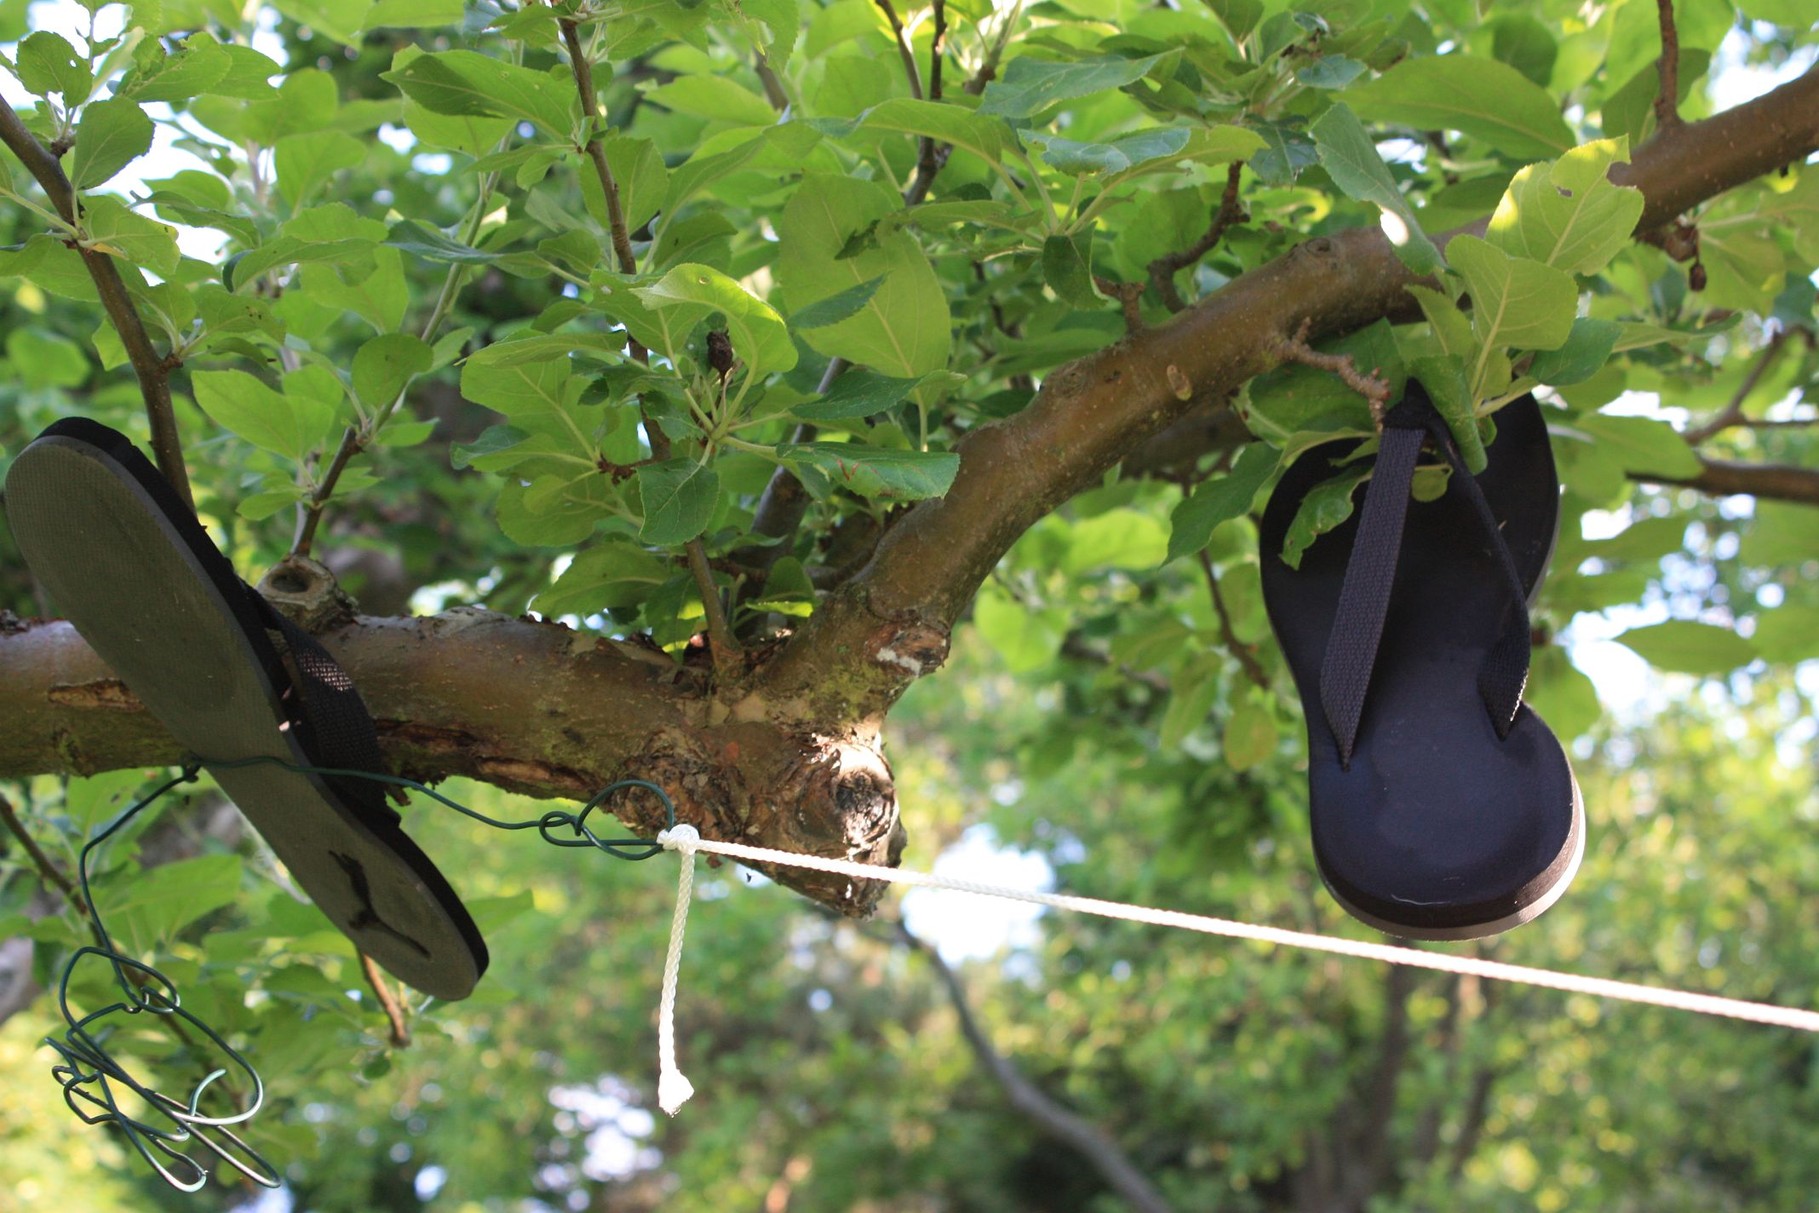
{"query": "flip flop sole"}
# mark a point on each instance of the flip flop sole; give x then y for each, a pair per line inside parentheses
(139, 578)
(1439, 829)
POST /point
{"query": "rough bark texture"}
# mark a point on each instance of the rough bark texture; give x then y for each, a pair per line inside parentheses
(785, 753)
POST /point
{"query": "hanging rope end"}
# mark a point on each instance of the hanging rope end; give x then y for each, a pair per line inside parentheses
(673, 1090)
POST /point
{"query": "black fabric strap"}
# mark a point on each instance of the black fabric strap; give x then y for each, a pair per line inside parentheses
(1370, 574)
(331, 720)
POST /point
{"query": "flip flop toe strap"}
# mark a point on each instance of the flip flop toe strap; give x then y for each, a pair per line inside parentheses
(1370, 574)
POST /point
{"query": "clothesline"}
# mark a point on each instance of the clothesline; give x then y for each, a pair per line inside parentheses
(673, 1089)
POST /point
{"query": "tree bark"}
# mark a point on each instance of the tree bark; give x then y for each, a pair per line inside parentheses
(785, 753)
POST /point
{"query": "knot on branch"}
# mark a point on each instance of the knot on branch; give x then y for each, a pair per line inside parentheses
(307, 594)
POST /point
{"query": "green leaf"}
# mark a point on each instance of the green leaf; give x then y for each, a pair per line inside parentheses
(198, 65)
(111, 135)
(339, 19)
(1684, 647)
(1329, 71)
(159, 901)
(385, 365)
(1567, 213)
(290, 426)
(858, 394)
(1642, 444)
(639, 171)
(760, 338)
(1024, 639)
(1029, 85)
(1066, 269)
(715, 98)
(1588, 347)
(1250, 735)
(904, 329)
(875, 471)
(1192, 524)
(1444, 378)
(414, 14)
(1116, 539)
(464, 82)
(1483, 98)
(306, 162)
(1351, 159)
(835, 308)
(1326, 506)
(1191, 699)
(609, 575)
(429, 244)
(975, 131)
(113, 229)
(568, 508)
(1560, 694)
(47, 64)
(1286, 150)
(1526, 45)
(679, 496)
(1515, 302)
(43, 359)
(1787, 634)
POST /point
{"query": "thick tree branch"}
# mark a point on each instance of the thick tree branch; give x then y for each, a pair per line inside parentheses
(152, 370)
(1091, 413)
(1054, 1119)
(1727, 478)
(533, 708)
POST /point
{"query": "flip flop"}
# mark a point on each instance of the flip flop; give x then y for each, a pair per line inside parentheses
(1441, 806)
(132, 569)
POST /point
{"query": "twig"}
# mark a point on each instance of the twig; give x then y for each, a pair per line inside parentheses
(401, 1032)
(1064, 1125)
(726, 650)
(1247, 659)
(1163, 269)
(1732, 413)
(40, 860)
(774, 92)
(937, 51)
(152, 370)
(1667, 102)
(903, 49)
(1373, 387)
(1127, 294)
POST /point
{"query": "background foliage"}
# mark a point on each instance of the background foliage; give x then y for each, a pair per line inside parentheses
(380, 228)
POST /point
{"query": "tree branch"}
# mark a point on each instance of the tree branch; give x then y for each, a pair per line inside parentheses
(1667, 101)
(1053, 1118)
(1373, 387)
(152, 370)
(48, 870)
(1726, 478)
(1247, 660)
(530, 707)
(1092, 412)
(910, 70)
(388, 1002)
(726, 650)
(1732, 413)
(1163, 269)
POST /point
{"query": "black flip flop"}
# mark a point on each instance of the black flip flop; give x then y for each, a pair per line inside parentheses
(1441, 806)
(128, 564)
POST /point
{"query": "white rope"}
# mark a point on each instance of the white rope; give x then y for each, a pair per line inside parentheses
(685, 839)
(673, 1089)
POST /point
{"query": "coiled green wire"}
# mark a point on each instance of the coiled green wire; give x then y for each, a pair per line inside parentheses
(92, 1076)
